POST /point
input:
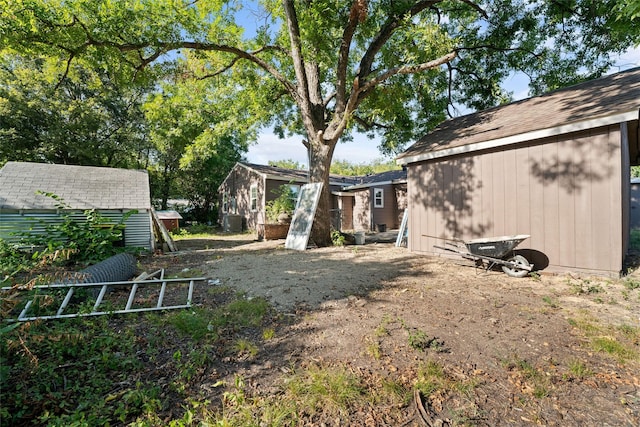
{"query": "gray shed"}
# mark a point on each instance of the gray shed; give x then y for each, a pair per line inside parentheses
(556, 167)
(111, 192)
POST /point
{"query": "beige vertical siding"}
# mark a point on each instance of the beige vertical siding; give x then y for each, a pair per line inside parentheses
(566, 192)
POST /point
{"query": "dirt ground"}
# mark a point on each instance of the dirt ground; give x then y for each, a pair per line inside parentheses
(526, 345)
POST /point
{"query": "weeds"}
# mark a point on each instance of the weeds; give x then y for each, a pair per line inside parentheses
(534, 382)
(314, 390)
(579, 369)
(432, 379)
(337, 238)
(243, 346)
(52, 361)
(631, 283)
(619, 342)
(551, 302)
(95, 370)
(268, 334)
(585, 287)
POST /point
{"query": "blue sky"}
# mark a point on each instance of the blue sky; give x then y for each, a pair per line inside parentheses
(362, 149)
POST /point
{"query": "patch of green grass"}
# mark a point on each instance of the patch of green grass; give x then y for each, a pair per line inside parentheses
(631, 283)
(194, 323)
(631, 332)
(393, 393)
(551, 302)
(374, 350)
(268, 334)
(579, 369)
(430, 377)
(200, 323)
(330, 391)
(539, 384)
(195, 232)
(419, 340)
(49, 363)
(243, 313)
(585, 287)
(243, 346)
(327, 389)
(619, 342)
(613, 347)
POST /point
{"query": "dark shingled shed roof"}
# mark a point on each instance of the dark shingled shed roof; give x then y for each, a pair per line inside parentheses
(80, 187)
(586, 105)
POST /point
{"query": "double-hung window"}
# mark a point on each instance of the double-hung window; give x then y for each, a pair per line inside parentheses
(254, 198)
(378, 198)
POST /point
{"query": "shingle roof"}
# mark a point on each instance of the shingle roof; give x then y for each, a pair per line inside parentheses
(284, 173)
(168, 214)
(394, 176)
(80, 187)
(293, 174)
(603, 97)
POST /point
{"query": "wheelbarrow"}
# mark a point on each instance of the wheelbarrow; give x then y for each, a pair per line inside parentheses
(493, 251)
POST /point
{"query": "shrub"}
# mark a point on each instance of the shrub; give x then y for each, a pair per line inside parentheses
(284, 203)
(89, 241)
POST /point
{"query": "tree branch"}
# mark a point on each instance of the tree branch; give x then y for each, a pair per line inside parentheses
(357, 14)
(66, 71)
(296, 55)
(500, 49)
(408, 69)
(385, 34)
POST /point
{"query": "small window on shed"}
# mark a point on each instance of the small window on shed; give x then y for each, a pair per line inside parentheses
(254, 198)
(378, 198)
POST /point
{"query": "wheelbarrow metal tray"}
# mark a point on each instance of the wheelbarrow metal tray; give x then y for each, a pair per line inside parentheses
(494, 247)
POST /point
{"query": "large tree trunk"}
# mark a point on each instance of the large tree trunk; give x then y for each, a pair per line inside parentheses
(320, 155)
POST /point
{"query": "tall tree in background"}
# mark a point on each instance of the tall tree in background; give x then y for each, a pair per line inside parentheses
(192, 149)
(287, 164)
(345, 167)
(88, 119)
(324, 68)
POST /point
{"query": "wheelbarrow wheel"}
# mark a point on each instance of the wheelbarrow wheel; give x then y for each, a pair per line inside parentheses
(514, 271)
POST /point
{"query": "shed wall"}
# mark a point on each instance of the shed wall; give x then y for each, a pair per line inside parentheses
(138, 231)
(566, 192)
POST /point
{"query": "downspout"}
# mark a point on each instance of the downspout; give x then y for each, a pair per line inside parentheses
(638, 137)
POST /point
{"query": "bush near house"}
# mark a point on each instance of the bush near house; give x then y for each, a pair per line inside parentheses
(70, 243)
(283, 204)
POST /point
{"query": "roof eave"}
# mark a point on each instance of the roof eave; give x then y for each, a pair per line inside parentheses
(373, 184)
(523, 137)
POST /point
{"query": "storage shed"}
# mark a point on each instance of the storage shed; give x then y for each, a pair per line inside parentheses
(111, 192)
(556, 167)
(170, 219)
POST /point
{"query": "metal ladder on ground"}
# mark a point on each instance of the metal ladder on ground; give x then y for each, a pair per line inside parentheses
(142, 280)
